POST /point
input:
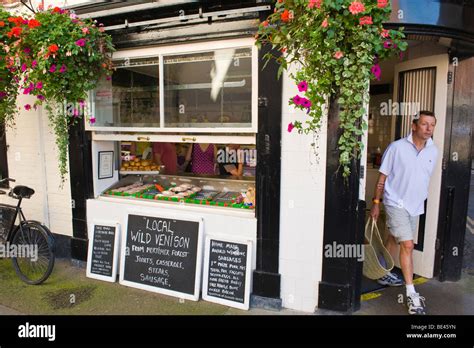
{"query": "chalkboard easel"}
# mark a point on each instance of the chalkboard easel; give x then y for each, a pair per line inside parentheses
(227, 271)
(102, 256)
(162, 253)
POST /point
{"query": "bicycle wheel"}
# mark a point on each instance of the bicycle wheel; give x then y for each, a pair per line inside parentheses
(35, 258)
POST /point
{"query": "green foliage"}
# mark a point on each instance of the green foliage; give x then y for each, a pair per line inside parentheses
(8, 85)
(57, 58)
(337, 45)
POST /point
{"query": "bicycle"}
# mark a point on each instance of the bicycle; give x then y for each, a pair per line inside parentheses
(35, 266)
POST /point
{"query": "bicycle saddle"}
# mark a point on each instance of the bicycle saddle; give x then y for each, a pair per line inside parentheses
(23, 191)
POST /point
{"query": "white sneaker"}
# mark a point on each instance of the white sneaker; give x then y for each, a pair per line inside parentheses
(416, 304)
(390, 279)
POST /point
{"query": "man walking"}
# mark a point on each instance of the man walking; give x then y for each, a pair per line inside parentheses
(404, 177)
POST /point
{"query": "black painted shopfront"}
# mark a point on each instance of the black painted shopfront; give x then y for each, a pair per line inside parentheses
(344, 212)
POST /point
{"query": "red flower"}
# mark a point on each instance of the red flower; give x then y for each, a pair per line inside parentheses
(316, 3)
(16, 31)
(17, 20)
(385, 33)
(285, 16)
(356, 7)
(382, 3)
(53, 48)
(33, 23)
(338, 55)
(265, 23)
(365, 20)
(56, 10)
(2, 23)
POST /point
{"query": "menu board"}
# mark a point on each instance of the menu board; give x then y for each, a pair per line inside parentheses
(102, 255)
(163, 254)
(227, 270)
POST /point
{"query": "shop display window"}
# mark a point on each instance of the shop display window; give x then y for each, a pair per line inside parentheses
(131, 97)
(195, 88)
(208, 89)
(167, 172)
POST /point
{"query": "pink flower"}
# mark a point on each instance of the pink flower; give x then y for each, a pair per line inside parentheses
(81, 42)
(325, 23)
(63, 69)
(365, 20)
(297, 100)
(34, 64)
(389, 44)
(2, 95)
(303, 86)
(290, 127)
(73, 16)
(338, 55)
(52, 68)
(82, 103)
(27, 107)
(385, 33)
(75, 112)
(316, 3)
(92, 120)
(85, 30)
(356, 7)
(27, 50)
(306, 103)
(376, 71)
(23, 67)
(40, 97)
(382, 3)
(39, 85)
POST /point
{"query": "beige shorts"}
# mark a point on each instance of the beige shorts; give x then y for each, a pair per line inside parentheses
(400, 223)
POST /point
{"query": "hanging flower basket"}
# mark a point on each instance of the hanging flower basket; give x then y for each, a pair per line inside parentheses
(57, 58)
(337, 45)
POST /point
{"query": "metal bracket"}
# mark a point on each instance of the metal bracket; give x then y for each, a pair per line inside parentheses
(263, 102)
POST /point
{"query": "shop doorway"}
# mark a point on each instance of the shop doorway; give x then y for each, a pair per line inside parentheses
(417, 83)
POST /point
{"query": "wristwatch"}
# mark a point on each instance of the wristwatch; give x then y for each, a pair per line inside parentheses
(376, 201)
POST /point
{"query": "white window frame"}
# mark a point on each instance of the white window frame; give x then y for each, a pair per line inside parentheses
(182, 49)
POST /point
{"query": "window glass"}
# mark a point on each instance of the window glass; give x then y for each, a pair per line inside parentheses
(208, 89)
(131, 97)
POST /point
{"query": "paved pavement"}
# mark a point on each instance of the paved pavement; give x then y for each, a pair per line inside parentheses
(8, 311)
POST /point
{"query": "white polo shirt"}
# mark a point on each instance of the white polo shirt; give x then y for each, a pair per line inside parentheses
(408, 174)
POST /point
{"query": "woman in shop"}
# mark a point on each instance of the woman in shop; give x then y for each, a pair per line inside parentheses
(236, 162)
(165, 154)
(202, 158)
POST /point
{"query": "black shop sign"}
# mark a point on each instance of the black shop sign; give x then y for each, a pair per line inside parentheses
(163, 254)
(227, 268)
(103, 252)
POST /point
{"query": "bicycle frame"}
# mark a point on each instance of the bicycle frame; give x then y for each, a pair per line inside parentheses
(19, 214)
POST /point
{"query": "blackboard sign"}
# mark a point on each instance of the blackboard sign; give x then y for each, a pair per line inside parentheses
(227, 272)
(102, 256)
(163, 254)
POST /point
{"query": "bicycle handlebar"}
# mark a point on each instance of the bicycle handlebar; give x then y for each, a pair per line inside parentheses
(7, 179)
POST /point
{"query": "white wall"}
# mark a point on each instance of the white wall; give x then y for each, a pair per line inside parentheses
(302, 210)
(32, 161)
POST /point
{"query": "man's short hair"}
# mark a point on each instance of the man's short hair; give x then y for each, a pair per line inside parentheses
(423, 112)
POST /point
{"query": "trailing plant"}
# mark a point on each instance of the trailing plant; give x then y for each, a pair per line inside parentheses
(337, 46)
(8, 82)
(58, 58)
